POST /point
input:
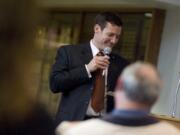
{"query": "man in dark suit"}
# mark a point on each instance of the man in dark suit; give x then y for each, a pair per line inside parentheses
(137, 90)
(73, 72)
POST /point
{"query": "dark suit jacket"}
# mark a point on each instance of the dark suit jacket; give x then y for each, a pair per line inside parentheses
(69, 76)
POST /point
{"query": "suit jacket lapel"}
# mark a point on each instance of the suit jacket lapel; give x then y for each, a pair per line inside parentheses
(86, 53)
(110, 70)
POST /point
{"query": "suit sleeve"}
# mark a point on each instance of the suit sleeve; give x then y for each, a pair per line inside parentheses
(63, 78)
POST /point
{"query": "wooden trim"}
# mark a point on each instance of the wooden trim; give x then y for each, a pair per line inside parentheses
(165, 117)
(152, 50)
(72, 9)
(138, 39)
(81, 24)
(172, 120)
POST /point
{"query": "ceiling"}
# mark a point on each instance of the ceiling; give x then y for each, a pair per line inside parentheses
(164, 4)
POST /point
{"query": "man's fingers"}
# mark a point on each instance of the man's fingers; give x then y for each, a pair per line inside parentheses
(102, 67)
(98, 62)
(102, 64)
(102, 60)
(102, 57)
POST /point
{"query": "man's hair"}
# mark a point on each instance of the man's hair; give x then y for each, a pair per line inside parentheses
(113, 18)
(139, 87)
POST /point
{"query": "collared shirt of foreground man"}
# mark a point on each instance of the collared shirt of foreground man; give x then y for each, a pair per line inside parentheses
(137, 90)
(73, 72)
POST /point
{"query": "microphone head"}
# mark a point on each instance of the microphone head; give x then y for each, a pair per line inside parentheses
(107, 50)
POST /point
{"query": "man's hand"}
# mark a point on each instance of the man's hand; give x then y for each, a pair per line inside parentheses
(98, 62)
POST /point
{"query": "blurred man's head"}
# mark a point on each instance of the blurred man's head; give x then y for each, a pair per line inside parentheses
(17, 49)
(140, 84)
(107, 30)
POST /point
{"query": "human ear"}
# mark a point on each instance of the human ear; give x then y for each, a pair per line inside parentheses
(97, 28)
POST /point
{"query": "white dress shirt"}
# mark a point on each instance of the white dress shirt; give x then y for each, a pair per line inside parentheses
(90, 111)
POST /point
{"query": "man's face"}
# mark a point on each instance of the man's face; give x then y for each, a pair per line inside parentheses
(107, 37)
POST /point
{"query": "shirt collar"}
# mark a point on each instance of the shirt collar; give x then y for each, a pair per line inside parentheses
(130, 113)
(94, 49)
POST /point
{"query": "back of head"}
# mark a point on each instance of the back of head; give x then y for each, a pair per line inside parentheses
(113, 18)
(17, 48)
(19, 111)
(141, 83)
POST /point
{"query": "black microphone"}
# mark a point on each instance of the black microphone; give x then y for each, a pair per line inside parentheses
(107, 50)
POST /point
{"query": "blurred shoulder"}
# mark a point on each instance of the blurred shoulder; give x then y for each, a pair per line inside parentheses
(88, 127)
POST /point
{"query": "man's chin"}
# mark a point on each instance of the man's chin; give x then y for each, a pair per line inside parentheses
(110, 46)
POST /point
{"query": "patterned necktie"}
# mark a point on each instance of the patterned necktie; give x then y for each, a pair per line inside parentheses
(97, 101)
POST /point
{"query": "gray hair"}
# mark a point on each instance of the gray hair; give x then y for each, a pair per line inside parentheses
(140, 87)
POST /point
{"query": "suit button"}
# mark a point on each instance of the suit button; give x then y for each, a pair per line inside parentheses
(86, 102)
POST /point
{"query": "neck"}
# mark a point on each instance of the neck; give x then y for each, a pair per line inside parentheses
(95, 43)
(123, 103)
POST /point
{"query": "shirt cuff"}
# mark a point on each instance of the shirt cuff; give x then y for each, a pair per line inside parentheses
(90, 111)
(88, 72)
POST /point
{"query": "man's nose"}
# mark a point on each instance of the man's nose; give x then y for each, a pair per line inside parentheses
(114, 40)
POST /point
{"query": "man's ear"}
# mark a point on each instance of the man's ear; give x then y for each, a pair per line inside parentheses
(97, 28)
(119, 84)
